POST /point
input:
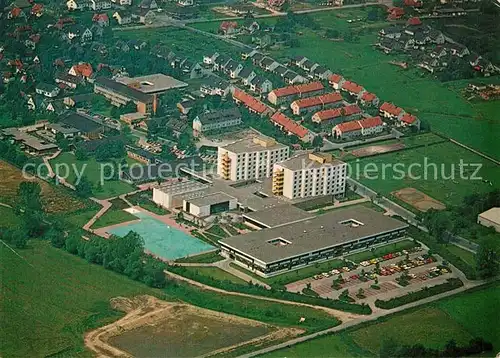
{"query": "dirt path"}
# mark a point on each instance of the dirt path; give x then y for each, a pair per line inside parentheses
(341, 315)
(149, 311)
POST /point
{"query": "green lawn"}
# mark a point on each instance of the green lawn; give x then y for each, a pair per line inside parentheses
(207, 258)
(9, 219)
(215, 273)
(112, 217)
(92, 170)
(442, 179)
(467, 256)
(218, 231)
(50, 298)
(460, 317)
(381, 251)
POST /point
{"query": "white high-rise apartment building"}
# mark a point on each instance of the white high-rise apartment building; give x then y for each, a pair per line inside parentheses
(309, 175)
(250, 158)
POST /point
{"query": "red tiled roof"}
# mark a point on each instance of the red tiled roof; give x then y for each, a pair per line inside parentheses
(371, 122)
(396, 12)
(298, 89)
(318, 100)
(228, 24)
(84, 69)
(335, 78)
(338, 112)
(35, 38)
(289, 125)
(414, 21)
(414, 3)
(352, 87)
(368, 96)
(37, 8)
(408, 118)
(15, 12)
(250, 101)
(100, 17)
(349, 126)
(391, 108)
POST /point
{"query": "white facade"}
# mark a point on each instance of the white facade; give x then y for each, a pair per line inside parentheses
(250, 158)
(308, 176)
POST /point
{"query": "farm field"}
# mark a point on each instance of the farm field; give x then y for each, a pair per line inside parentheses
(446, 156)
(55, 199)
(92, 171)
(461, 317)
(61, 296)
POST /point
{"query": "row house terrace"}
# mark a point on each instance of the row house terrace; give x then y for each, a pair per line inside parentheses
(315, 103)
(290, 93)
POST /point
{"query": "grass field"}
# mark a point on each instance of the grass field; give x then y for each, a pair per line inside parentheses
(9, 219)
(92, 170)
(382, 250)
(215, 273)
(55, 199)
(461, 317)
(60, 295)
(467, 256)
(441, 181)
(207, 258)
(112, 217)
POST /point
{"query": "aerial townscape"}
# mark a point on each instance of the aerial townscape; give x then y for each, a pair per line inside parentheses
(249, 178)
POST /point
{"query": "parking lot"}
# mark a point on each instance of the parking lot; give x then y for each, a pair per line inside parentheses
(382, 281)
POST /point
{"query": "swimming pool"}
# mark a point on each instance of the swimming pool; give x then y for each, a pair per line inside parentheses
(161, 239)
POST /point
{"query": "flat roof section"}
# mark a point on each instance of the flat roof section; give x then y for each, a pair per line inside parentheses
(154, 83)
(303, 161)
(211, 199)
(492, 215)
(279, 215)
(309, 235)
(250, 145)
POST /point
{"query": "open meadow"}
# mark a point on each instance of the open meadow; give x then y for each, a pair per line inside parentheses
(92, 170)
(461, 317)
(55, 199)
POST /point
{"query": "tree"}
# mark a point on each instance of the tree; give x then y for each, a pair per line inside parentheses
(28, 194)
(154, 275)
(317, 142)
(332, 33)
(487, 259)
(81, 154)
(56, 237)
(84, 188)
(62, 142)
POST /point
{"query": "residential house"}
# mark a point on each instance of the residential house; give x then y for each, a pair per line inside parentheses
(82, 69)
(389, 110)
(98, 5)
(395, 13)
(280, 70)
(144, 16)
(268, 64)
(78, 100)
(101, 19)
(210, 59)
(148, 5)
(253, 104)
(368, 99)
(220, 61)
(429, 63)
(122, 46)
(122, 17)
(98, 32)
(261, 85)
(246, 79)
(73, 5)
(86, 36)
(228, 27)
(256, 58)
(392, 32)
(248, 54)
(413, 21)
(438, 52)
(234, 68)
(37, 10)
(315, 103)
(47, 90)
(185, 2)
(336, 81)
(299, 60)
(409, 120)
(244, 73)
(230, 65)
(340, 114)
(364, 127)
(32, 41)
(15, 13)
(307, 65)
(459, 50)
(216, 120)
(214, 86)
(290, 93)
(321, 73)
(291, 78)
(291, 127)
(68, 80)
(437, 37)
(353, 89)
(185, 106)
(122, 2)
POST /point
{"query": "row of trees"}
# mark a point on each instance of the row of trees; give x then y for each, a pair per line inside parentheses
(461, 220)
(391, 349)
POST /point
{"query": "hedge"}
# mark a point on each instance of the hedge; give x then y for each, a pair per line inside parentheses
(449, 285)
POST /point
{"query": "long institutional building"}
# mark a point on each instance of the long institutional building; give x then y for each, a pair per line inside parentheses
(312, 239)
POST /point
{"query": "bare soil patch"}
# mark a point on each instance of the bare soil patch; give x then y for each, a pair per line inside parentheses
(153, 327)
(418, 200)
(377, 149)
(54, 199)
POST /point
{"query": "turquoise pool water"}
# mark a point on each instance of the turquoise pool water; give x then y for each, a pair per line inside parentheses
(161, 239)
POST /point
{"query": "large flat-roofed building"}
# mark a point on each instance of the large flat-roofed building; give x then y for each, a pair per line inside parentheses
(304, 242)
(157, 83)
(218, 119)
(172, 195)
(31, 144)
(250, 158)
(490, 218)
(210, 204)
(275, 216)
(309, 175)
